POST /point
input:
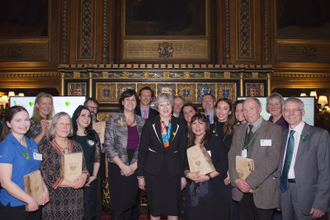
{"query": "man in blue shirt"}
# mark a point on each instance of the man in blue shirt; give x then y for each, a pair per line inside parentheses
(146, 95)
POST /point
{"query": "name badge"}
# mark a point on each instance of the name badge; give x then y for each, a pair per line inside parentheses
(266, 142)
(209, 153)
(244, 153)
(37, 156)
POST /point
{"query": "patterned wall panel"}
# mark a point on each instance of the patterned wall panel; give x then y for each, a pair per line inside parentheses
(203, 89)
(77, 89)
(122, 87)
(187, 91)
(254, 89)
(106, 92)
(166, 88)
(226, 90)
(151, 85)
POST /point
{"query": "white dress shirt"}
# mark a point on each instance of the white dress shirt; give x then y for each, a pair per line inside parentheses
(297, 137)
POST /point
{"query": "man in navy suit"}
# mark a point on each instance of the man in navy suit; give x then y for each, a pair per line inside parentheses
(146, 95)
(304, 168)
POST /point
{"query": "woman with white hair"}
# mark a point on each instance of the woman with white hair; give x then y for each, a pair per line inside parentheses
(160, 162)
(66, 197)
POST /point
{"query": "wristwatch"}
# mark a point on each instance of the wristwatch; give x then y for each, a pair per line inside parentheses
(209, 176)
(140, 177)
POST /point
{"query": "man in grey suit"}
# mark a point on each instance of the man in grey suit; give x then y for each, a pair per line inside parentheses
(304, 168)
(259, 140)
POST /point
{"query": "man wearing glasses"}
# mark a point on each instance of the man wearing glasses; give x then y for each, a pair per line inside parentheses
(304, 166)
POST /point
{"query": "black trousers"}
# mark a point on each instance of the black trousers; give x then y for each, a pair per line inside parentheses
(18, 212)
(248, 211)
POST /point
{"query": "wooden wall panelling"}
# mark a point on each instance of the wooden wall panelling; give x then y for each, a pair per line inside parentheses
(85, 30)
(245, 29)
(220, 30)
(30, 80)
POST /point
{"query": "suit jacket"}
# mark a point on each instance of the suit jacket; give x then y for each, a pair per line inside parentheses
(152, 151)
(266, 160)
(312, 169)
(152, 113)
(115, 137)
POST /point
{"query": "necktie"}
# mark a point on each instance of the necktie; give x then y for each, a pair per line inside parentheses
(208, 118)
(287, 163)
(249, 133)
(145, 113)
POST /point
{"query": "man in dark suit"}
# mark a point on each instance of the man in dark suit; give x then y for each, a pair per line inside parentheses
(146, 95)
(259, 140)
(304, 167)
(208, 103)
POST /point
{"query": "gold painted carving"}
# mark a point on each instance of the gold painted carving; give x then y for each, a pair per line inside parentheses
(227, 75)
(76, 75)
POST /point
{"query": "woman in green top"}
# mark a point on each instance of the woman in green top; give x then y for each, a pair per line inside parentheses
(90, 143)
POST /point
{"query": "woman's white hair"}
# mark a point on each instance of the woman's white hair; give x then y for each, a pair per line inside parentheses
(54, 121)
(163, 97)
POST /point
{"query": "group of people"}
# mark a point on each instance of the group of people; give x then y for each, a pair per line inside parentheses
(38, 143)
(147, 150)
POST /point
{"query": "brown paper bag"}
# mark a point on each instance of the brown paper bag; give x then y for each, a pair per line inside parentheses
(199, 160)
(71, 166)
(99, 127)
(33, 186)
(244, 167)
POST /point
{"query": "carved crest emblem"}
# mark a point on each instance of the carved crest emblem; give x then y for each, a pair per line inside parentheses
(165, 50)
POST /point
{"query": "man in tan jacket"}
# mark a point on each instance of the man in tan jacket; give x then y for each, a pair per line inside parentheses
(261, 141)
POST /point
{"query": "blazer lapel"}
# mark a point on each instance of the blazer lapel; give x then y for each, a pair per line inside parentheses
(156, 128)
(283, 148)
(302, 144)
(174, 130)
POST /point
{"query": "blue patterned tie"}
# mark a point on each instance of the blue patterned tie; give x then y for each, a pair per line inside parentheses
(208, 118)
(288, 159)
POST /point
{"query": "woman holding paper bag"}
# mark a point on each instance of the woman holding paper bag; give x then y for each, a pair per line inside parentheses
(121, 144)
(161, 156)
(18, 157)
(66, 197)
(43, 111)
(90, 143)
(205, 195)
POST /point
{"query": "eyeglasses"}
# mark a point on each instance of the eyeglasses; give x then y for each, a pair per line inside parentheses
(292, 111)
(64, 124)
(91, 107)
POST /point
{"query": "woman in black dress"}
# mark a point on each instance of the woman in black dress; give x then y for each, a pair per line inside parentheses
(224, 127)
(90, 143)
(121, 144)
(206, 198)
(160, 170)
(188, 110)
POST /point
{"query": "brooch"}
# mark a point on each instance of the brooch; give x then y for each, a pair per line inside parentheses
(304, 137)
(121, 121)
(26, 155)
(90, 142)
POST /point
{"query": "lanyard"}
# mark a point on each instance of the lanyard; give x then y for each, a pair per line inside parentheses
(215, 131)
(251, 139)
